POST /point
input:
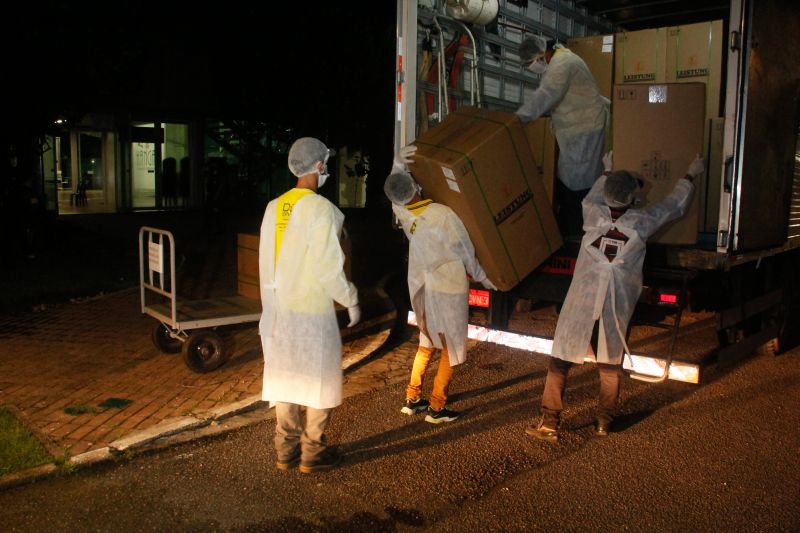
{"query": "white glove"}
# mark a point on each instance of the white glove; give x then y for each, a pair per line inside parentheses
(404, 156)
(355, 315)
(608, 161)
(696, 167)
(487, 284)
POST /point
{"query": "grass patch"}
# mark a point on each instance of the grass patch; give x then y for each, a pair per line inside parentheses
(19, 449)
(80, 409)
(115, 403)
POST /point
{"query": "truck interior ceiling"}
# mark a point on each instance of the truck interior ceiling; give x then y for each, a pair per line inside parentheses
(634, 15)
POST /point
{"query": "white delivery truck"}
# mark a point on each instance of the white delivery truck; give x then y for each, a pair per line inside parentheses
(745, 263)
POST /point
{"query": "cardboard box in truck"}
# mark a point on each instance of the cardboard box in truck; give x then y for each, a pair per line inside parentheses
(640, 56)
(542, 143)
(658, 131)
(478, 163)
(597, 51)
(694, 54)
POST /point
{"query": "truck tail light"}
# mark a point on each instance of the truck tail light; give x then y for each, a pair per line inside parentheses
(669, 298)
(479, 298)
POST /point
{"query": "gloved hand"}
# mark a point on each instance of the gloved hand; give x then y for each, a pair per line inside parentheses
(487, 284)
(404, 156)
(608, 161)
(696, 167)
(355, 315)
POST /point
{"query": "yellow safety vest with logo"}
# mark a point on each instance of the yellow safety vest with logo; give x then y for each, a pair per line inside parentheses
(283, 212)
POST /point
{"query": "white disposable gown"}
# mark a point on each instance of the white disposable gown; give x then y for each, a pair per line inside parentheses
(440, 253)
(298, 328)
(580, 113)
(608, 290)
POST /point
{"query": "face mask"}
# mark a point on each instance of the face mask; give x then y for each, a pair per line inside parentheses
(539, 66)
(322, 177)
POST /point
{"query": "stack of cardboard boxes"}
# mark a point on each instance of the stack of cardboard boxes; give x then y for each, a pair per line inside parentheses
(666, 62)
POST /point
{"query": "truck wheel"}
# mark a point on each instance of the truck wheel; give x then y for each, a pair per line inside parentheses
(164, 341)
(203, 351)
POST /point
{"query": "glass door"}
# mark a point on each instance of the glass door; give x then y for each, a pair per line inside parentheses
(160, 166)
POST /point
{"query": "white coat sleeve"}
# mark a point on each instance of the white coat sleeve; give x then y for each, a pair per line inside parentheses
(595, 195)
(328, 264)
(463, 247)
(551, 90)
(672, 207)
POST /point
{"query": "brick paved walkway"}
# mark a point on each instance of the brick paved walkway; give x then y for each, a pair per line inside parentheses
(73, 357)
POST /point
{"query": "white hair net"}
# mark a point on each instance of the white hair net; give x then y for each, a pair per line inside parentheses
(400, 188)
(305, 153)
(531, 47)
(620, 187)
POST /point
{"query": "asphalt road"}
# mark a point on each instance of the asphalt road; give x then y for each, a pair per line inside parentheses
(721, 456)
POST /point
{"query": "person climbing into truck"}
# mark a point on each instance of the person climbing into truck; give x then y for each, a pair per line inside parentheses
(568, 92)
(605, 287)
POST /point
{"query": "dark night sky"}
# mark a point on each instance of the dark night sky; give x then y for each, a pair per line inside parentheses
(316, 66)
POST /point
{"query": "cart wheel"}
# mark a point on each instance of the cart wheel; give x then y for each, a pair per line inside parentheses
(203, 351)
(164, 341)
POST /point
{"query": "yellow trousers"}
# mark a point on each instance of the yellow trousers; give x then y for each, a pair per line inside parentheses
(440, 383)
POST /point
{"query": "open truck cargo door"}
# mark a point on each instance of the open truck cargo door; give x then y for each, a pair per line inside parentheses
(762, 115)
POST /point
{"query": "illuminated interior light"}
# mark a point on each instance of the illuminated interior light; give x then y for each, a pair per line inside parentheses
(640, 364)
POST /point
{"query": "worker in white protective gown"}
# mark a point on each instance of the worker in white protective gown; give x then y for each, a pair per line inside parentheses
(605, 288)
(301, 274)
(440, 255)
(568, 92)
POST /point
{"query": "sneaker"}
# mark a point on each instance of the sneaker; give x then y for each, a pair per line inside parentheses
(543, 433)
(412, 407)
(325, 461)
(288, 464)
(442, 415)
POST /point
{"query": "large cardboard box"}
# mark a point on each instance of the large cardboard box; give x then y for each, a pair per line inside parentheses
(694, 54)
(247, 265)
(597, 51)
(640, 56)
(542, 143)
(478, 163)
(658, 131)
(247, 262)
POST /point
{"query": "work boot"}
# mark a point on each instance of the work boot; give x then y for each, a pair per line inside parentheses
(602, 427)
(542, 432)
(327, 460)
(289, 463)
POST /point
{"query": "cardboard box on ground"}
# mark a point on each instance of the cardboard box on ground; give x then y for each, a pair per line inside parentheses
(247, 263)
(658, 130)
(479, 163)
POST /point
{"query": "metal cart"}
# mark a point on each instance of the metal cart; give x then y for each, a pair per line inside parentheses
(187, 326)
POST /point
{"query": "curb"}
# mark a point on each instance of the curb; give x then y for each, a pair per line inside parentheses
(174, 427)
